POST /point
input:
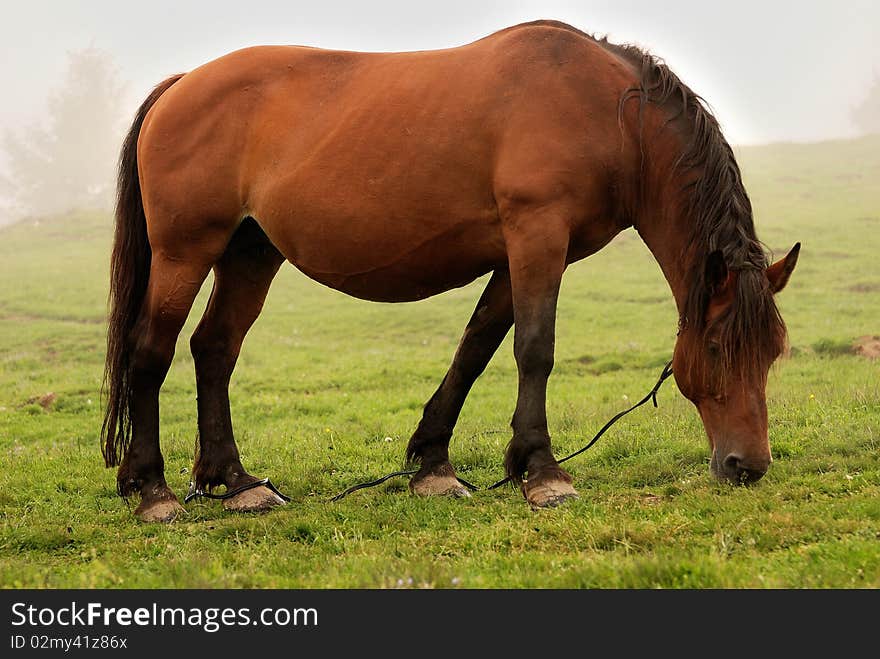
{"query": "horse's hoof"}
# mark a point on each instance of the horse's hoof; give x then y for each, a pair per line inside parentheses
(162, 510)
(255, 500)
(433, 485)
(548, 494)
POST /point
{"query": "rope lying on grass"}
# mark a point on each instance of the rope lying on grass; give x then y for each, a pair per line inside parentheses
(379, 481)
(651, 395)
(199, 493)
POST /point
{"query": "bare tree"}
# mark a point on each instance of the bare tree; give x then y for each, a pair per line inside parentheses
(867, 114)
(69, 162)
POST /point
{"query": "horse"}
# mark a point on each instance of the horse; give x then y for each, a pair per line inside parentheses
(398, 176)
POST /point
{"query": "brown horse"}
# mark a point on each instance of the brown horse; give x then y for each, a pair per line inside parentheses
(397, 176)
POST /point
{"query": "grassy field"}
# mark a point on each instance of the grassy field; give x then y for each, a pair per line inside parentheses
(329, 388)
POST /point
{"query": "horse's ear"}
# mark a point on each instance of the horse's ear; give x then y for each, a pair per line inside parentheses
(779, 272)
(717, 273)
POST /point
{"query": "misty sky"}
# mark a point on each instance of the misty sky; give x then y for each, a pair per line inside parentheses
(770, 70)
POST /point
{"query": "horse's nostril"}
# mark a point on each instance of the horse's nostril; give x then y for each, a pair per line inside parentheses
(733, 469)
(740, 471)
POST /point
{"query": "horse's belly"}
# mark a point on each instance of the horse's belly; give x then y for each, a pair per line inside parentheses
(405, 283)
(390, 264)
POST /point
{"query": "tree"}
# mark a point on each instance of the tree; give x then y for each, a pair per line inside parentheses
(867, 114)
(69, 163)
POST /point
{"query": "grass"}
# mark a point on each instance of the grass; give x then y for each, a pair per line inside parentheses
(329, 388)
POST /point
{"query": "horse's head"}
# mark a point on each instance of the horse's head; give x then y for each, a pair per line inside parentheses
(722, 360)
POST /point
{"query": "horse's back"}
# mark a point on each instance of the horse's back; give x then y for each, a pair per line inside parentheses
(362, 167)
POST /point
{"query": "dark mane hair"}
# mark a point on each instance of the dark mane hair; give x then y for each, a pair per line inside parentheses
(721, 218)
(719, 210)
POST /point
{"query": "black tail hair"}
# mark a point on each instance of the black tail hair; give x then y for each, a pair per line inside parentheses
(129, 273)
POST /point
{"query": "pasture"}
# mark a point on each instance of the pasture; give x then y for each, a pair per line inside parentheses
(328, 390)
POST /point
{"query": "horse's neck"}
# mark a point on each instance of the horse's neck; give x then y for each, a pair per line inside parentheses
(675, 232)
(665, 227)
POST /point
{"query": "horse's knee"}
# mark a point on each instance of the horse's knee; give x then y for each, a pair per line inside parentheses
(534, 355)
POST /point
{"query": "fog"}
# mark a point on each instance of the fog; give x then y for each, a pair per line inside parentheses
(771, 71)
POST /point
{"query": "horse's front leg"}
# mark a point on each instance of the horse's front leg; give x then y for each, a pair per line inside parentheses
(537, 247)
(429, 445)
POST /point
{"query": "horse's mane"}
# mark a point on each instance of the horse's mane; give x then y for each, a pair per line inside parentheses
(753, 332)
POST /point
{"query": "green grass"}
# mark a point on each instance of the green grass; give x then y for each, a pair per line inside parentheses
(329, 388)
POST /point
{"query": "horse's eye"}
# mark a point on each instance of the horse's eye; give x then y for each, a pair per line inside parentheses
(714, 349)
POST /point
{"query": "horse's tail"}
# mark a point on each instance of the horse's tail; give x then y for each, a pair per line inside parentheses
(129, 273)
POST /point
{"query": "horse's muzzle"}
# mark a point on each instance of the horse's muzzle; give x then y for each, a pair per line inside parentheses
(738, 470)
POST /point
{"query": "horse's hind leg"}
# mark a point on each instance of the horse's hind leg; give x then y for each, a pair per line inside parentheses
(172, 287)
(429, 445)
(241, 281)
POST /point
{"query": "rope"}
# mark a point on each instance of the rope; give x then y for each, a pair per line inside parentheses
(199, 493)
(651, 395)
